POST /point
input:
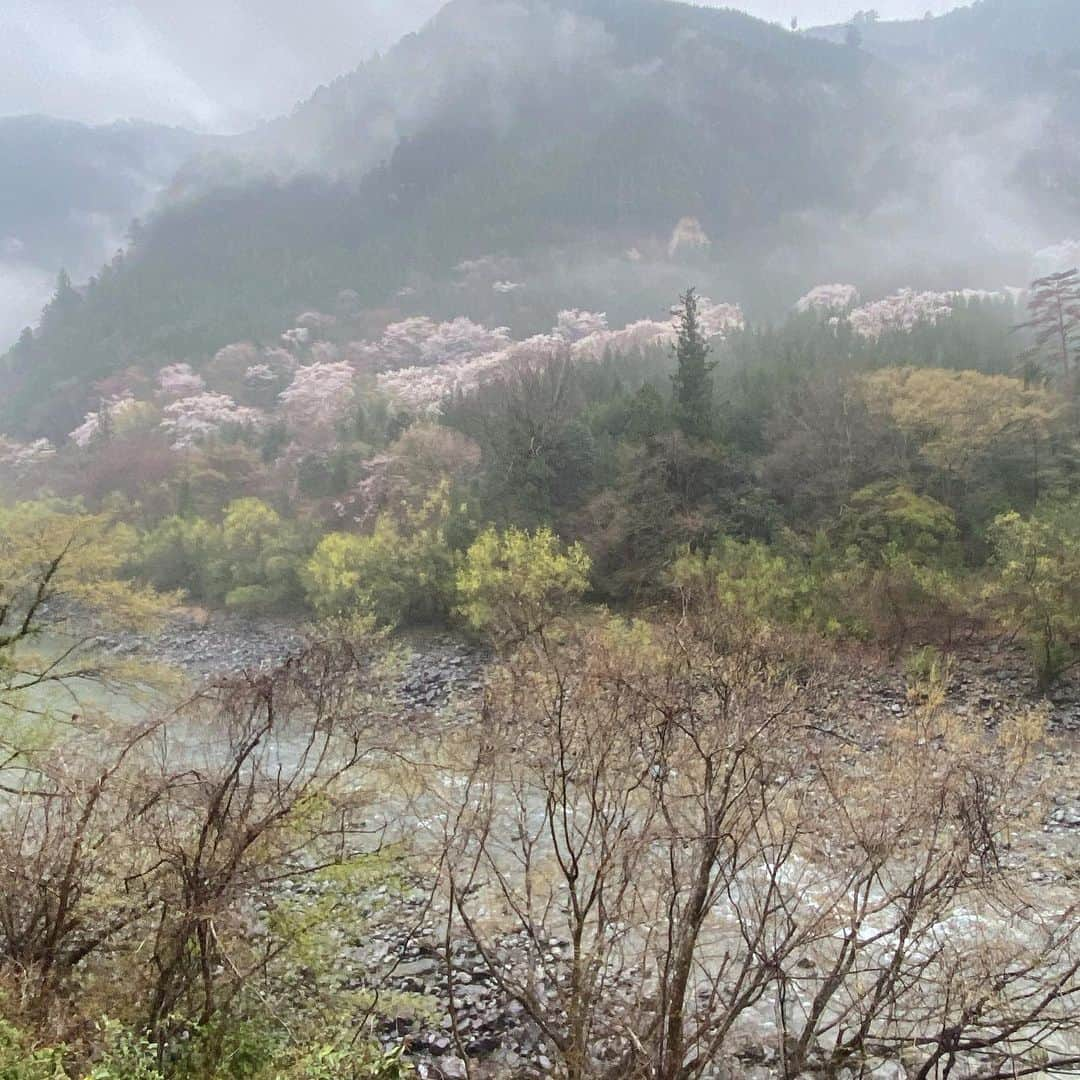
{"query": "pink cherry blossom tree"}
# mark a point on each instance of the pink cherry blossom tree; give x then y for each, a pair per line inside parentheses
(719, 320)
(318, 397)
(574, 325)
(205, 416)
(828, 299)
(179, 381)
(101, 424)
(900, 313)
(22, 458)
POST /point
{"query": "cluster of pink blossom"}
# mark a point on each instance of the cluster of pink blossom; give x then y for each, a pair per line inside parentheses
(296, 338)
(96, 423)
(900, 313)
(318, 396)
(423, 388)
(179, 381)
(461, 339)
(574, 325)
(719, 320)
(828, 299)
(1007, 295)
(369, 495)
(420, 341)
(644, 334)
(22, 457)
(532, 354)
(202, 416)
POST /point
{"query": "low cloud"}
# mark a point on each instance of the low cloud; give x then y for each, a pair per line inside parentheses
(225, 65)
(24, 289)
(215, 65)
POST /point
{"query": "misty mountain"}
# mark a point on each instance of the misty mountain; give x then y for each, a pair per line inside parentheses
(987, 61)
(1013, 47)
(518, 155)
(69, 194)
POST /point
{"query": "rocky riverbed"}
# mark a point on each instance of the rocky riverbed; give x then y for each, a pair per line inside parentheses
(464, 1018)
(433, 667)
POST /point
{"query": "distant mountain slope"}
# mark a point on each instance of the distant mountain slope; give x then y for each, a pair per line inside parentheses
(1008, 66)
(70, 192)
(1011, 45)
(554, 147)
(489, 63)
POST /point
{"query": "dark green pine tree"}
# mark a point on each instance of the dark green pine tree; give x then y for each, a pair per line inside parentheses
(693, 379)
(61, 307)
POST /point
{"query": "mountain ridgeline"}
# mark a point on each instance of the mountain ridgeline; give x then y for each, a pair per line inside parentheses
(587, 153)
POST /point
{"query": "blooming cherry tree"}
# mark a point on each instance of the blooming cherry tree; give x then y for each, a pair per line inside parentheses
(420, 341)
(402, 342)
(462, 339)
(23, 457)
(900, 313)
(195, 419)
(460, 356)
(719, 320)
(828, 299)
(423, 389)
(574, 325)
(179, 381)
(98, 424)
(318, 396)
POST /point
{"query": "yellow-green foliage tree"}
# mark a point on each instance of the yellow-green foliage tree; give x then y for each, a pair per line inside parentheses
(1038, 583)
(394, 575)
(514, 584)
(955, 418)
(58, 560)
(895, 561)
(60, 582)
(750, 582)
(884, 573)
(184, 554)
(888, 516)
(263, 555)
(251, 560)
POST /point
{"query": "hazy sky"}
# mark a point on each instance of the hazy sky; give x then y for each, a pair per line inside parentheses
(222, 65)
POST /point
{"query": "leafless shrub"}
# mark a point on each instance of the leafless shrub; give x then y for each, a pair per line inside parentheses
(666, 858)
(142, 849)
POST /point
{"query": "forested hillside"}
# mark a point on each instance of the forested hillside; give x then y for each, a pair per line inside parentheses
(591, 154)
(588, 151)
